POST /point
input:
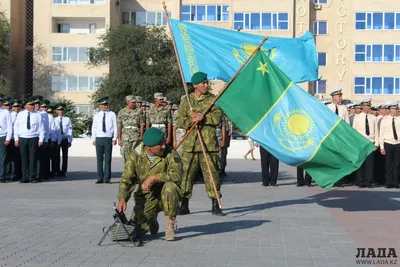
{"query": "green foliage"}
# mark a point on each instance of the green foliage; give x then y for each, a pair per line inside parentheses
(5, 52)
(142, 62)
(81, 123)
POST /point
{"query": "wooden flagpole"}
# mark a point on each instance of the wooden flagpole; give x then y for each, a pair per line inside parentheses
(187, 96)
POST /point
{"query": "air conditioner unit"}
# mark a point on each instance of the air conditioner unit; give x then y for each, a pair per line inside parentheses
(317, 7)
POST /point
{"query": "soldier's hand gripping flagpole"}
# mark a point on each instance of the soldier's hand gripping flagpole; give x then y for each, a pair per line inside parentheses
(222, 91)
(190, 106)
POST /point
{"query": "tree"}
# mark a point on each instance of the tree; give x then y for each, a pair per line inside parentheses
(5, 52)
(142, 62)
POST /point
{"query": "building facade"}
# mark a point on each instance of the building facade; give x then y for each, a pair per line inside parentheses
(358, 41)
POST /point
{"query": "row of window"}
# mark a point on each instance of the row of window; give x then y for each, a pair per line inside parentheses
(204, 13)
(145, 18)
(73, 83)
(367, 86)
(70, 54)
(377, 21)
(66, 28)
(377, 53)
(78, 2)
(261, 21)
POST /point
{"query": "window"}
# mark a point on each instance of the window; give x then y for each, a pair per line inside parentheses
(84, 109)
(261, 21)
(204, 13)
(320, 87)
(78, 2)
(63, 28)
(92, 27)
(320, 27)
(142, 18)
(320, 1)
(321, 59)
(377, 85)
(377, 53)
(73, 83)
(70, 54)
(377, 20)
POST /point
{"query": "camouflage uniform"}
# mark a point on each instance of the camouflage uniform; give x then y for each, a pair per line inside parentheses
(192, 152)
(180, 133)
(163, 196)
(227, 124)
(159, 118)
(130, 122)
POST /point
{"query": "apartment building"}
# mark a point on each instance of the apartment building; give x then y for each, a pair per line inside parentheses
(358, 41)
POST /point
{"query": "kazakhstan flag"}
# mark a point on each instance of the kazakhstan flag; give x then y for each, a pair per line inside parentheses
(220, 52)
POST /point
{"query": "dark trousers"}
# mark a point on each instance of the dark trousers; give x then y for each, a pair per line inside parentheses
(29, 152)
(365, 174)
(392, 158)
(54, 154)
(3, 154)
(41, 162)
(8, 160)
(301, 180)
(104, 155)
(223, 154)
(16, 170)
(379, 167)
(269, 167)
(64, 149)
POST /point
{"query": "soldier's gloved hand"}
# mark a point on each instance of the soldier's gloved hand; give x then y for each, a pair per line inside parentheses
(121, 205)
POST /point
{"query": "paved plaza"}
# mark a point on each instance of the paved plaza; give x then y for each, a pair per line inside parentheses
(60, 222)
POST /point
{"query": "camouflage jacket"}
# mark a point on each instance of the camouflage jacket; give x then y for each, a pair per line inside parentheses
(207, 126)
(130, 122)
(158, 116)
(139, 168)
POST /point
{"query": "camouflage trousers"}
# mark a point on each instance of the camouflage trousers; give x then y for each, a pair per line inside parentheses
(162, 197)
(191, 163)
(129, 147)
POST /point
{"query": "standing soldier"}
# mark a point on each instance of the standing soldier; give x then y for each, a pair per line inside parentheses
(160, 117)
(42, 149)
(352, 113)
(29, 134)
(357, 108)
(379, 158)
(139, 101)
(177, 133)
(104, 135)
(130, 122)
(366, 125)
(5, 137)
(44, 159)
(64, 139)
(192, 152)
(15, 154)
(54, 143)
(336, 105)
(390, 145)
(7, 161)
(224, 133)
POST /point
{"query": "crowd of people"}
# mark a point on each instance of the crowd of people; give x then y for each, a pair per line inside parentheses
(32, 136)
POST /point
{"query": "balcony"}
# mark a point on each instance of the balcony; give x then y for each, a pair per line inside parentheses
(79, 8)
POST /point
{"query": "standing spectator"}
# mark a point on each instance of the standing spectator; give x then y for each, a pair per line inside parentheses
(251, 150)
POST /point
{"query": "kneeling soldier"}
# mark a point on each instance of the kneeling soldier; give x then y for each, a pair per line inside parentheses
(159, 176)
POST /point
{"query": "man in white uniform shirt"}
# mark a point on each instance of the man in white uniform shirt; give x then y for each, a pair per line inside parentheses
(29, 134)
(5, 138)
(336, 105)
(365, 124)
(43, 157)
(104, 135)
(389, 142)
(65, 138)
(15, 154)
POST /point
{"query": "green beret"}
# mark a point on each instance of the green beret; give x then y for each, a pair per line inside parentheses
(60, 106)
(153, 137)
(37, 98)
(198, 77)
(44, 103)
(102, 101)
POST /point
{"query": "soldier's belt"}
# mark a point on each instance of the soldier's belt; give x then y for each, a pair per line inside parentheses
(159, 125)
(131, 127)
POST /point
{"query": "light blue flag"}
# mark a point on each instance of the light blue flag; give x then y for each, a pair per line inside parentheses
(220, 52)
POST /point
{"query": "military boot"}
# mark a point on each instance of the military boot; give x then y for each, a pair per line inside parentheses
(154, 226)
(184, 208)
(170, 230)
(215, 208)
